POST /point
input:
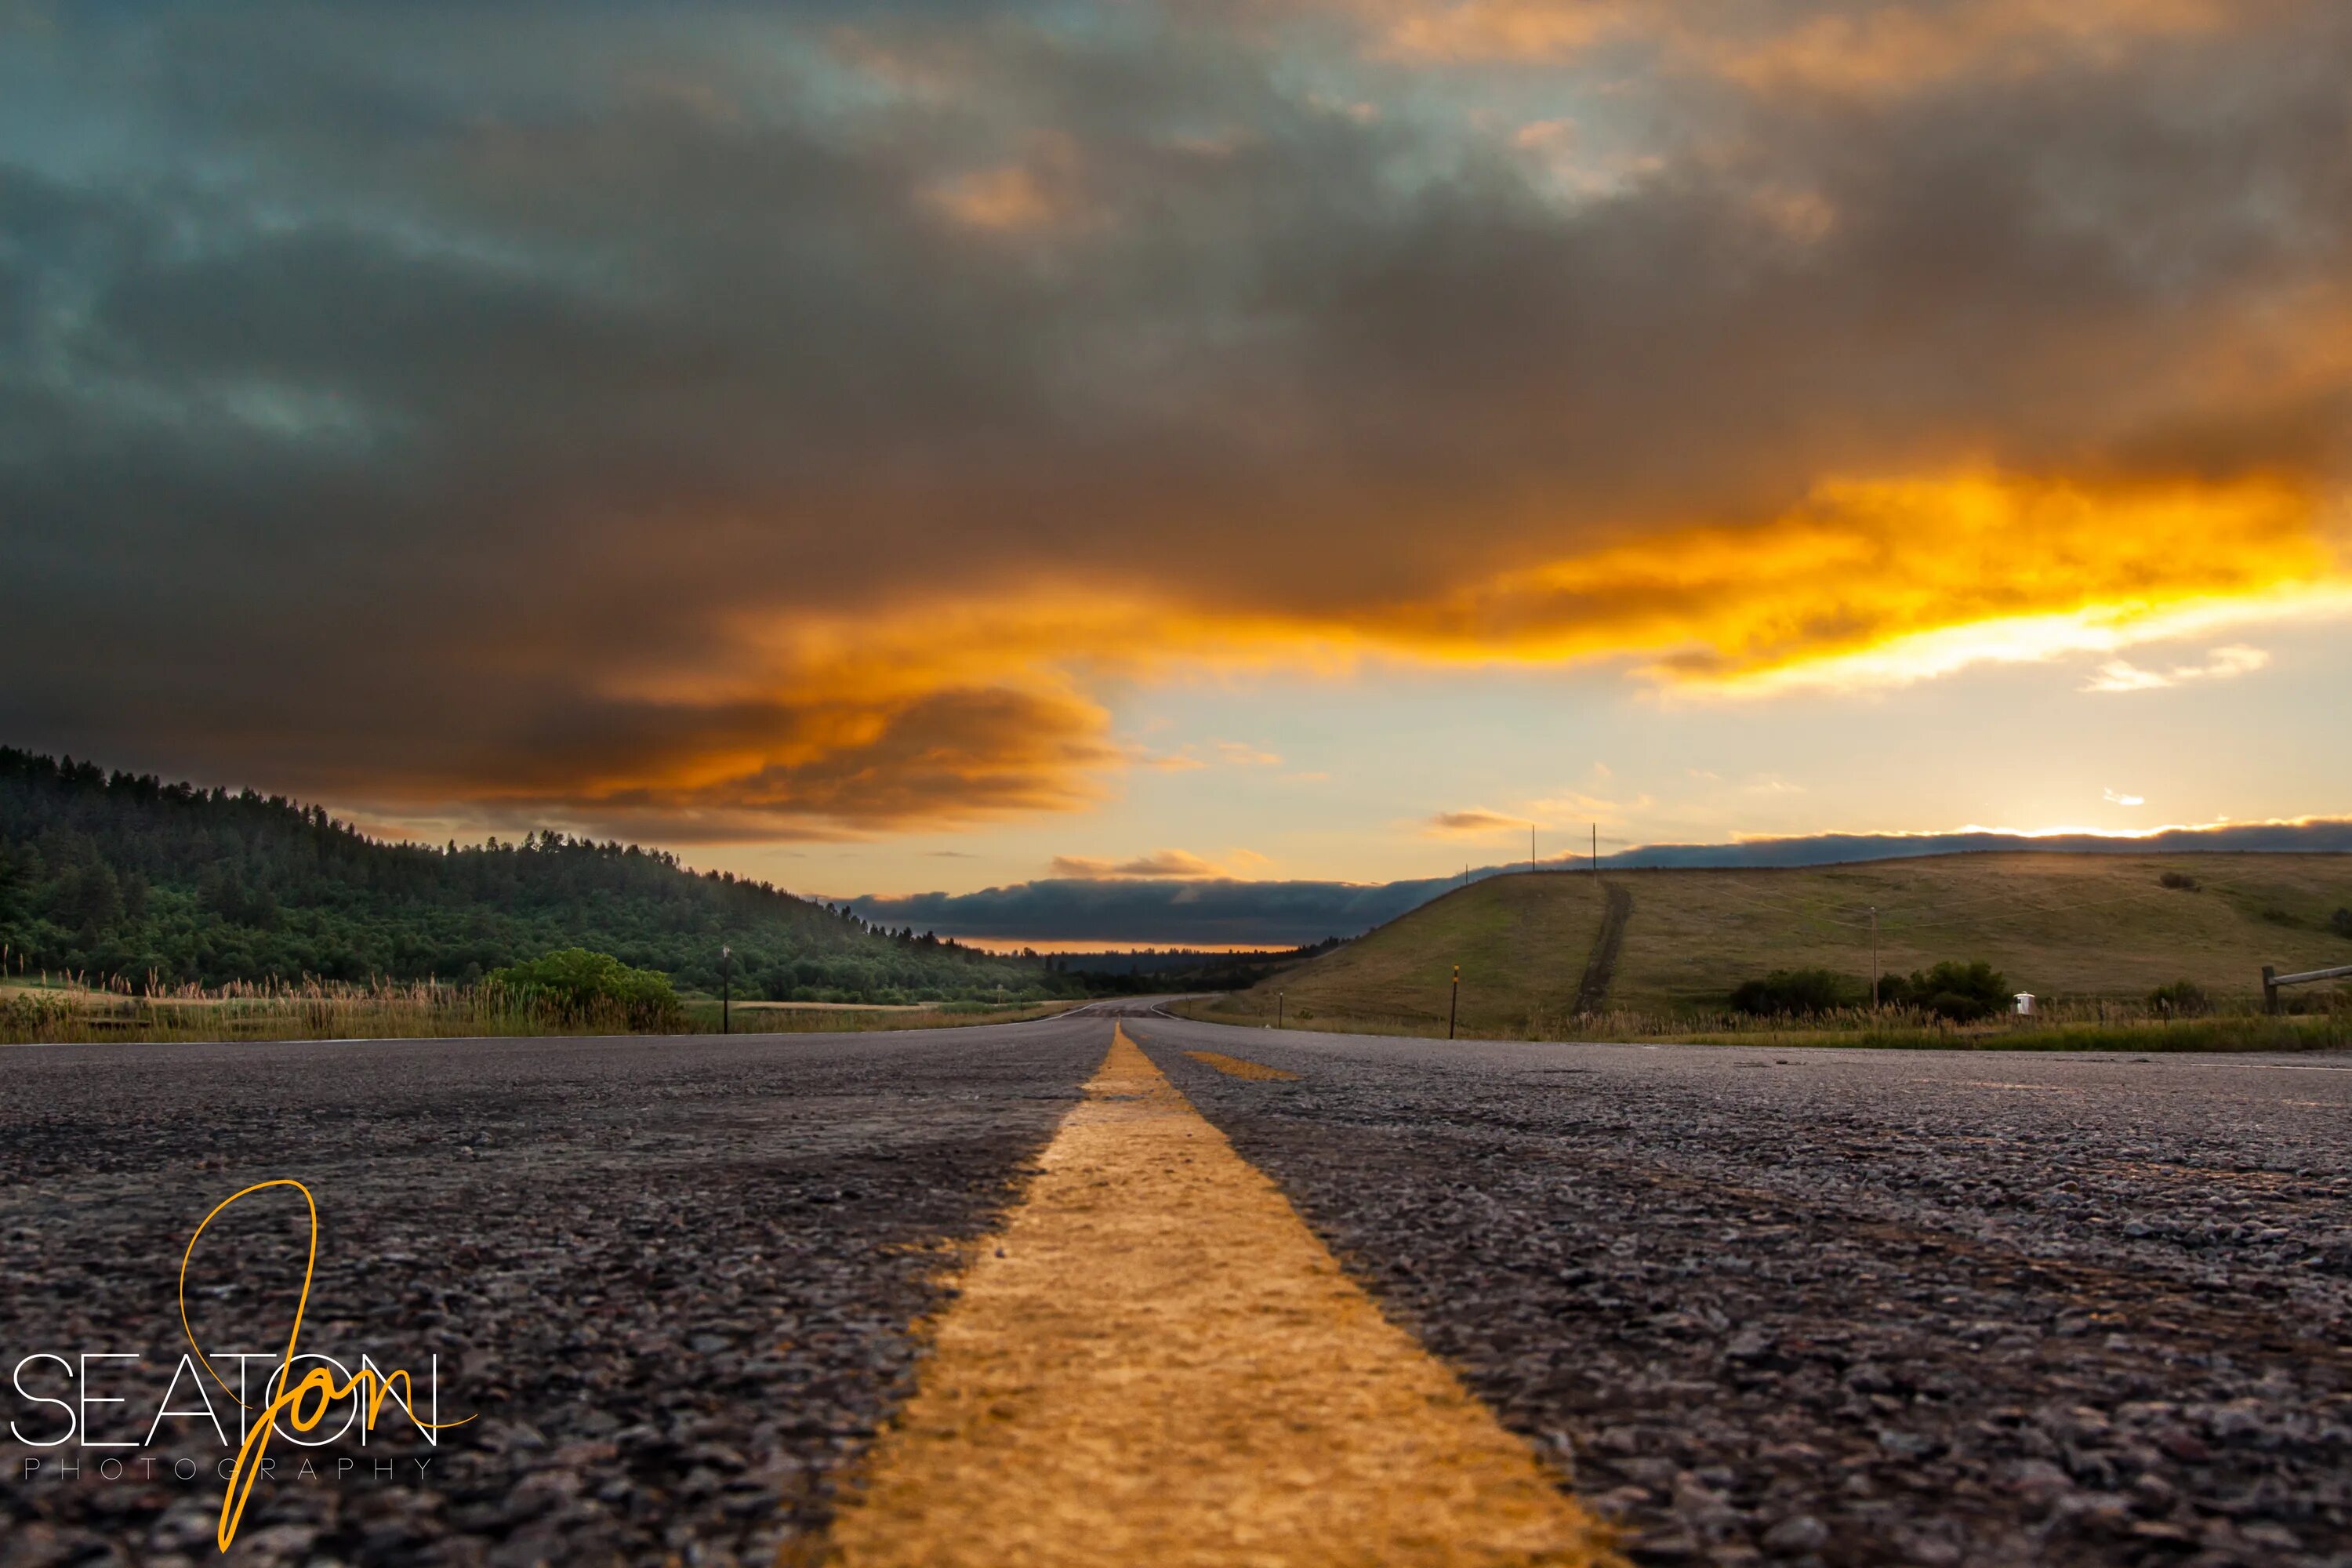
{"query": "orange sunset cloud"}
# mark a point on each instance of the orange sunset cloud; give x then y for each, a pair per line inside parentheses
(857, 431)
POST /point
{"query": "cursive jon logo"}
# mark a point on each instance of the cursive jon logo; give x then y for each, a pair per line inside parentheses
(290, 1403)
(306, 1401)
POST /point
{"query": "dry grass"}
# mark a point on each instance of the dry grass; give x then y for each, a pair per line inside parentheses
(2091, 935)
(1520, 953)
(2059, 925)
(2116, 1028)
(68, 1012)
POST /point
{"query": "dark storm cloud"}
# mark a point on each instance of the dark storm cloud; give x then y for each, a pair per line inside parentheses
(1278, 913)
(602, 412)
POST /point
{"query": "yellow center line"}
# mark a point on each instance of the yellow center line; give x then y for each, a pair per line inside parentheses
(1236, 1067)
(1159, 1364)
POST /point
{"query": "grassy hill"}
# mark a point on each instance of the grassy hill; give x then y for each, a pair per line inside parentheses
(2078, 926)
(1522, 943)
(112, 875)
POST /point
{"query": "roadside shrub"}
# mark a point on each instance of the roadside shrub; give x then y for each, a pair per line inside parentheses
(2181, 999)
(27, 1013)
(2180, 880)
(588, 986)
(1963, 993)
(2340, 922)
(1795, 991)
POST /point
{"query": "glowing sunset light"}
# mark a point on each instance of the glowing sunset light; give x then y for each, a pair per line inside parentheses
(902, 450)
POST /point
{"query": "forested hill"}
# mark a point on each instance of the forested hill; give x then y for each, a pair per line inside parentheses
(117, 875)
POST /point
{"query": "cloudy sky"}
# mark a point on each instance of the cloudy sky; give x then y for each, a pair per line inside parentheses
(924, 447)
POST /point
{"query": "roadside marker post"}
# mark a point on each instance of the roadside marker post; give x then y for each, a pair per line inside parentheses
(2272, 979)
(1454, 1008)
(726, 989)
(1277, 1009)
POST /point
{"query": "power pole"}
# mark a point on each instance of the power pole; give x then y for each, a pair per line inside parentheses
(1531, 849)
(1596, 849)
(726, 989)
(1874, 958)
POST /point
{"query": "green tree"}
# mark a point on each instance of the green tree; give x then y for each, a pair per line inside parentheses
(587, 985)
(211, 886)
(89, 898)
(1796, 991)
(1960, 992)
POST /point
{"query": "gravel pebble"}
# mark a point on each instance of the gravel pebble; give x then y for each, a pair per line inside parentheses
(1858, 1307)
(678, 1280)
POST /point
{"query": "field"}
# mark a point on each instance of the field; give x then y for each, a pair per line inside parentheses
(2090, 934)
(62, 1013)
(1522, 943)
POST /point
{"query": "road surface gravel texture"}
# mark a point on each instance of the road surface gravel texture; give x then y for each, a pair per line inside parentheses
(1856, 1307)
(674, 1277)
(1842, 1307)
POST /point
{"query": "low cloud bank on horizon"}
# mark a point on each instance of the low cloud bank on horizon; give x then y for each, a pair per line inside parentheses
(1284, 913)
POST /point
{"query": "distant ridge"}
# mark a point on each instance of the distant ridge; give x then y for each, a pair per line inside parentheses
(2315, 835)
(1283, 913)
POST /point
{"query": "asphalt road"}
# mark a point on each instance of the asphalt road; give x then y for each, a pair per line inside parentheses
(674, 1278)
(1851, 1308)
(1872, 1307)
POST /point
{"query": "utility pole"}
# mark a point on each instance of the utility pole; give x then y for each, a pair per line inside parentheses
(1596, 849)
(1874, 958)
(726, 988)
(1454, 1009)
(1531, 849)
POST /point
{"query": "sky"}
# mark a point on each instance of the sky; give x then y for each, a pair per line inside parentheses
(929, 447)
